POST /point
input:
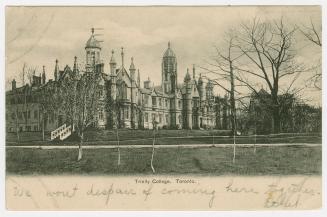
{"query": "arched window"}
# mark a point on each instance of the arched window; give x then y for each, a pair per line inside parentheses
(123, 91)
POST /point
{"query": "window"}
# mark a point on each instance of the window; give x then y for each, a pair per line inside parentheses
(153, 117)
(154, 101)
(127, 113)
(123, 91)
(35, 114)
(146, 99)
(166, 103)
(28, 128)
(146, 117)
(28, 114)
(160, 118)
(167, 119)
(35, 128)
(179, 104)
(20, 115)
(160, 102)
(195, 103)
(13, 116)
(101, 115)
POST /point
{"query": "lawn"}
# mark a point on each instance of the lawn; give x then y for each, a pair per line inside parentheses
(164, 137)
(285, 160)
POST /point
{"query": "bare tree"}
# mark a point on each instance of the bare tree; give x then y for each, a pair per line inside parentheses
(313, 34)
(113, 108)
(268, 46)
(48, 100)
(224, 67)
(155, 124)
(86, 105)
(29, 73)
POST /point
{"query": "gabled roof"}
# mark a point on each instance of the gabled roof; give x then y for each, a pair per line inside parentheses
(146, 91)
(122, 75)
(67, 72)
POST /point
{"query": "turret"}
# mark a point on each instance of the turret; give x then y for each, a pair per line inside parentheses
(209, 90)
(169, 70)
(201, 88)
(122, 57)
(113, 88)
(187, 78)
(188, 98)
(93, 50)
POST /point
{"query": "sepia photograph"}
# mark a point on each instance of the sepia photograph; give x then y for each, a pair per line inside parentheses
(135, 108)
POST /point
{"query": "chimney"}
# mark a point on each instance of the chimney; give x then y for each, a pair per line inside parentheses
(13, 84)
(43, 75)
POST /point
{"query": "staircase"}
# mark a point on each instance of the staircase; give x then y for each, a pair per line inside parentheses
(62, 132)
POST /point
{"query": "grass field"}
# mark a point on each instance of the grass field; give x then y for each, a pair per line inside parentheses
(285, 160)
(164, 137)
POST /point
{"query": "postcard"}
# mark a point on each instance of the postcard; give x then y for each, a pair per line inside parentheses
(163, 107)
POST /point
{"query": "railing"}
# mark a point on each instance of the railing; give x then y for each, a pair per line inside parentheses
(56, 132)
(65, 133)
(62, 132)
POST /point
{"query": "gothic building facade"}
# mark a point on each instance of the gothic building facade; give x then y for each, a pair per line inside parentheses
(190, 104)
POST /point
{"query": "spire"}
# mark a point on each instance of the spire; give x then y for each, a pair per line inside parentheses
(200, 80)
(112, 64)
(193, 71)
(122, 57)
(138, 78)
(112, 60)
(92, 30)
(56, 71)
(187, 76)
(168, 44)
(132, 69)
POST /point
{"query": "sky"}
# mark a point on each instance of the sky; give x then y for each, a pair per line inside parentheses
(38, 36)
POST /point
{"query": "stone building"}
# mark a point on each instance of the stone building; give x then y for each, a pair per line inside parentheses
(190, 104)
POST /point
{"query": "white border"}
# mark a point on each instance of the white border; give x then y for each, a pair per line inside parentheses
(4, 212)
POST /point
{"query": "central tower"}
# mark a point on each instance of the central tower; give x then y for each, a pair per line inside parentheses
(92, 49)
(169, 71)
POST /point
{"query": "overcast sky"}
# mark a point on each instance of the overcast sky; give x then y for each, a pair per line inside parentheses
(39, 35)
